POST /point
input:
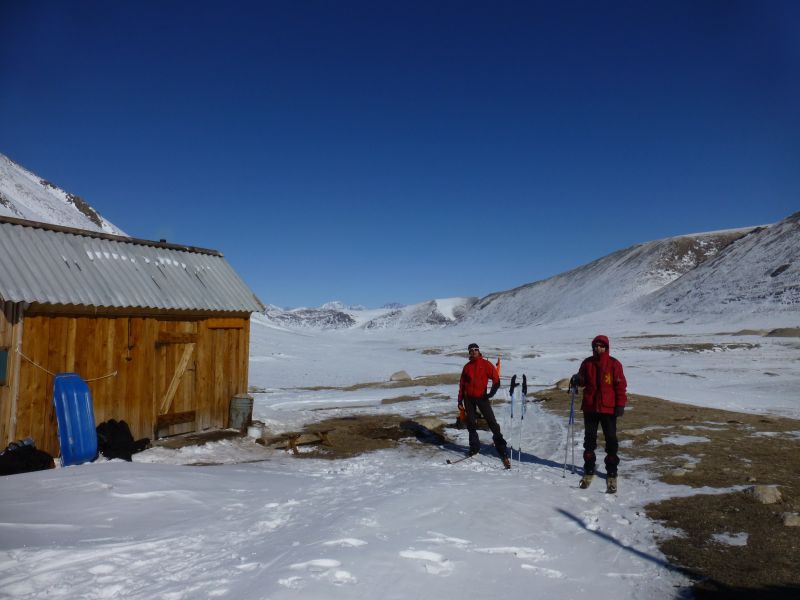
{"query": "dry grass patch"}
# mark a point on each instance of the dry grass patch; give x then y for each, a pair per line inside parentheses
(354, 435)
(785, 332)
(703, 347)
(424, 381)
(732, 449)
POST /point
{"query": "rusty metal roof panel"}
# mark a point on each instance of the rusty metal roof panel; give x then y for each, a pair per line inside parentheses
(57, 265)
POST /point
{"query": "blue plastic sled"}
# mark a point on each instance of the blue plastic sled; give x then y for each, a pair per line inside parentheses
(77, 435)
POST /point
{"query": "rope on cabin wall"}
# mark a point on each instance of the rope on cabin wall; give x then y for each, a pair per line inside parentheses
(37, 365)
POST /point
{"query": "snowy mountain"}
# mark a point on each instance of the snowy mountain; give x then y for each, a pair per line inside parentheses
(334, 315)
(759, 273)
(317, 318)
(434, 313)
(613, 280)
(24, 195)
(748, 272)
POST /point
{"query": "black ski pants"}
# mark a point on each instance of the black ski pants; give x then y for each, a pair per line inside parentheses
(609, 424)
(483, 404)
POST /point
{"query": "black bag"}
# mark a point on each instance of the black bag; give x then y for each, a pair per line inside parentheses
(23, 458)
(115, 440)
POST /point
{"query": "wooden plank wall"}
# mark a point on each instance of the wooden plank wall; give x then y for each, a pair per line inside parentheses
(10, 333)
(144, 352)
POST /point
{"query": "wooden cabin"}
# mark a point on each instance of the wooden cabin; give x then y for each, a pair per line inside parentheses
(159, 331)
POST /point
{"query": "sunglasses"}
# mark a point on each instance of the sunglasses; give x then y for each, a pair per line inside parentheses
(599, 346)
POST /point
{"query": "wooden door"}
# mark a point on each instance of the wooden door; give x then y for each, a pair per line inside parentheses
(176, 378)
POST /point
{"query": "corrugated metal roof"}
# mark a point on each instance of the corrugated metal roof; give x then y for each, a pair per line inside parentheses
(57, 265)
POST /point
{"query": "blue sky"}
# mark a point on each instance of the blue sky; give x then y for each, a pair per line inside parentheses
(375, 152)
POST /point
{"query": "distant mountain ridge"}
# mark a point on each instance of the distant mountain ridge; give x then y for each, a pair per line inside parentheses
(738, 272)
(25, 195)
(614, 280)
(332, 315)
(759, 274)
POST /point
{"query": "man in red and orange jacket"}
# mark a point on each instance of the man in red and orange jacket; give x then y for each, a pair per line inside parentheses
(472, 396)
(604, 399)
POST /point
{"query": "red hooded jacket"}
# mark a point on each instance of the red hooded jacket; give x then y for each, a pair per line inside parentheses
(474, 377)
(605, 384)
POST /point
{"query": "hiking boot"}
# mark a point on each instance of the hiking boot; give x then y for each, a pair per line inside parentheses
(586, 481)
(611, 485)
(506, 462)
(472, 452)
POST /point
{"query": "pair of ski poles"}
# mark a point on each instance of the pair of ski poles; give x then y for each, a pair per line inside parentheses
(570, 443)
(570, 430)
(523, 400)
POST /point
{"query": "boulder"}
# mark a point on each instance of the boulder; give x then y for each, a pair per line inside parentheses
(400, 376)
(765, 494)
(431, 423)
(791, 519)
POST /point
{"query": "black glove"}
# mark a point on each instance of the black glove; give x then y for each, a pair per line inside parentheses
(619, 411)
(493, 391)
(574, 381)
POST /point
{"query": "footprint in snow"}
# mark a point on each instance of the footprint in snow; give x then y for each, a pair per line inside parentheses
(293, 583)
(591, 518)
(622, 520)
(102, 569)
(316, 566)
(345, 543)
(432, 562)
(519, 552)
(551, 573)
(441, 538)
(320, 569)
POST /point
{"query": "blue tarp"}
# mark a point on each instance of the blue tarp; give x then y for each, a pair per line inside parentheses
(77, 435)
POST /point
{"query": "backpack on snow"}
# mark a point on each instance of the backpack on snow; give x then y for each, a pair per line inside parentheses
(114, 440)
(23, 457)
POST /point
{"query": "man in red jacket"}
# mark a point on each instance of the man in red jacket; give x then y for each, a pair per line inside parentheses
(604, 399)
(472, 396)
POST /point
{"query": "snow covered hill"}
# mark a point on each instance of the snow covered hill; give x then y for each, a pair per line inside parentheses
(24, 195)
(317, 318)
(748, 272)
(434, 313)
(610, 281)
(334, 315)
(759, 274)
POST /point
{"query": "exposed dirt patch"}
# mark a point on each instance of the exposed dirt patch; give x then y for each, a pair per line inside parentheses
(351, 436)
(699, 447)
(785, 332)
(426, 380)
(702, 347)
(648, 336)
(398, 399)
(761, 332)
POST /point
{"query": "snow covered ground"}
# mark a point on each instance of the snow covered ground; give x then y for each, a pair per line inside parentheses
(399, 523)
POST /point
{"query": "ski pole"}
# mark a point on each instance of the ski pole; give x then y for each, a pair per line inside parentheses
(572, 429)
(570, 432)
(523, 399)
(511, 426)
